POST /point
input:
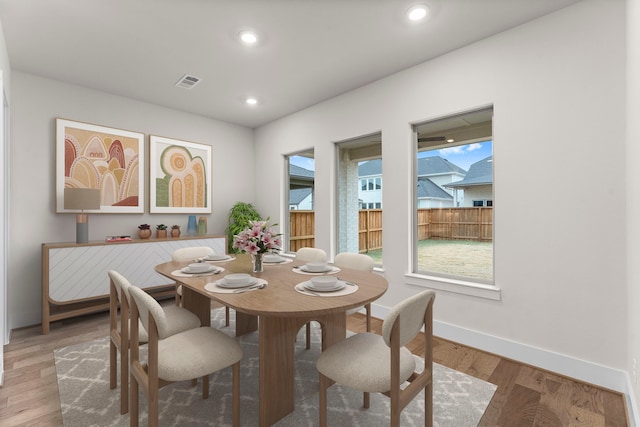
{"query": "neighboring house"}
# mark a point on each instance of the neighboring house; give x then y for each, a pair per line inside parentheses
(301, 182)
(431, 195)
(301, 199)
(433, 174)
(477, 184)
(440, 171)
(370, 186)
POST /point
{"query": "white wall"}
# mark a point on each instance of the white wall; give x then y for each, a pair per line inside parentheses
(36, 104)
(633, 196)
(5, 82)
(557, 85)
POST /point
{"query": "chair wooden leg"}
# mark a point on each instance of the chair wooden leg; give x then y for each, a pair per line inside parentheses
(124, 379)
(366, 400)
(205, 387)
(133, 398)
(428, 405)
(368, 310)
(236, 394)
(308, 335)
(113, 365)
(324, 383)
(226, 316)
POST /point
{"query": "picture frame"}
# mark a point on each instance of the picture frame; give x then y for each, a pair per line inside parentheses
(180, 174)
(104, 158)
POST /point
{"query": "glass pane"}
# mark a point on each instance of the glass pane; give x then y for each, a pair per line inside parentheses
(301, 222)
(454, 197)
(359, 196)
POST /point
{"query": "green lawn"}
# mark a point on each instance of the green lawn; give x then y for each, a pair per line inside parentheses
(456, 257)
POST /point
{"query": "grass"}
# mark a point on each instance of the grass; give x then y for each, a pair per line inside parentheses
(456, 257)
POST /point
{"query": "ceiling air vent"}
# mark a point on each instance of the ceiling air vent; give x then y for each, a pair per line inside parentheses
(188, 81)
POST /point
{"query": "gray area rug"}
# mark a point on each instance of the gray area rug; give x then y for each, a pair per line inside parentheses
(86, 400)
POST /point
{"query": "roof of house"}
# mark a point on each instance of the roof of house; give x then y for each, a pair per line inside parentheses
(433, 165)
(480, 173)
(371, 167)
(437, 165)
(297, 195)
(300, 172)
(428, 189)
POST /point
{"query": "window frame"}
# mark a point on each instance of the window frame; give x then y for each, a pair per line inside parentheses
(432, 280)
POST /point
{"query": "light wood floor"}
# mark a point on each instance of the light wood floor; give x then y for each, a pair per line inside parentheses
(526, 396)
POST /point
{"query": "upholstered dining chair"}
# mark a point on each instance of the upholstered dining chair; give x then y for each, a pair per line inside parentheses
(190, 253)
(357, 262)
(307, 254)
(380, 363)
(311, 254)
(179, 320)
(183, 356)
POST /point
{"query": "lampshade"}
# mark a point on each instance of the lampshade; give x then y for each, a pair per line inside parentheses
(81, 198)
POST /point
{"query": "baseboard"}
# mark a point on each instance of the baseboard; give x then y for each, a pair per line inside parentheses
(588, 372)
(632, 408)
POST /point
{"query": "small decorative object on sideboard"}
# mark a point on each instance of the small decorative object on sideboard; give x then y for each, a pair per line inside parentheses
(202, 226)
(192, 227)
(144, 231)
(175, 231)
(161, 231)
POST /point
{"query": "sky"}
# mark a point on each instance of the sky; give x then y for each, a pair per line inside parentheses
(463, 155)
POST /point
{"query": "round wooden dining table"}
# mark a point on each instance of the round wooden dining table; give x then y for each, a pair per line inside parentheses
(277, 312)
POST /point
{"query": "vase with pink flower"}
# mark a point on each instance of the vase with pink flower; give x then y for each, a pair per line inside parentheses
(257, 239)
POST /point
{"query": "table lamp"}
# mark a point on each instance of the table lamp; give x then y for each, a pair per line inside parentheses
(81, 199)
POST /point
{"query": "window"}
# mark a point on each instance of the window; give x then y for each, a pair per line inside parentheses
(371, 184)
(454, 197)
(300, 222)
(359, 196)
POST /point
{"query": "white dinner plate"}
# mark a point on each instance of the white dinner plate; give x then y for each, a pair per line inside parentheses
(217, 257)
(211, 268)
(306, 270)
(223, 284)
(339, 285)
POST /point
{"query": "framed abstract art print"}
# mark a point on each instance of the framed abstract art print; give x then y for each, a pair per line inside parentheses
(99, 157)
(180, 176)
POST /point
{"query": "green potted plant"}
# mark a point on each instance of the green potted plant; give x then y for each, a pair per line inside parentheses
(161, 231)
(175, 230)
(238, 219)
(144, 231)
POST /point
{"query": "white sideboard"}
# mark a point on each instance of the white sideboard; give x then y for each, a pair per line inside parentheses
(75, 280)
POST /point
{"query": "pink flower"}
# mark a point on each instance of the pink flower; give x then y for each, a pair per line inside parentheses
(257, 238)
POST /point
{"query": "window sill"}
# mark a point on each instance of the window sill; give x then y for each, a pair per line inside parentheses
(455, 286)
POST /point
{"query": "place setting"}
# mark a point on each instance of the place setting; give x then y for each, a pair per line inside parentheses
(275, 259)
(236, 283)
(197, 269)
(217, 258)
(316, 268)
(326, 286)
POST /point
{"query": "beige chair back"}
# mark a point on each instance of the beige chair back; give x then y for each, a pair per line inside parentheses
(147, 305)
(191, 252)
(311, 255)
(356, 261)
(411, 315)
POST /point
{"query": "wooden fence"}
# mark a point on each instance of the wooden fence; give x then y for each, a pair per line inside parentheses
(442, 224)
(301, 227)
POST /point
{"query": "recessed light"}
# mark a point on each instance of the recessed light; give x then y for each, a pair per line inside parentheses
(251, 100)
(450, 140)
(417, 13)
(248, 38)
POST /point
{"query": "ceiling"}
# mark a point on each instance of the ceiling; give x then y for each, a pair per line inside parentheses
(309, 50)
